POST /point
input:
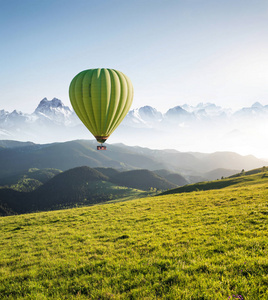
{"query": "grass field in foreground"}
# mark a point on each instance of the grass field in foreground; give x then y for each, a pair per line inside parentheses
(199, 245)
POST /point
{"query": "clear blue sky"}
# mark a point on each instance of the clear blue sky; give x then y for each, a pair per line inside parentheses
(174, 51)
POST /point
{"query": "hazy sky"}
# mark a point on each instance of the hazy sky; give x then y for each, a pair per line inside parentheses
(174, 51)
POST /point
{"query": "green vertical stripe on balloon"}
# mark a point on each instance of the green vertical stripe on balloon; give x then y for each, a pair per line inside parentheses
(105, 98)
(79, 97)
(95, 89)
(92, 115)
(122, 102)
(127, 104)
(79, 87)
(121, 98)
(114, 101)
(87, 100)
(128, 100)
(74, 100)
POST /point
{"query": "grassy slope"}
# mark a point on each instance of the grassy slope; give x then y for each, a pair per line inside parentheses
(220, 184)
(251, 172)
(199, 245)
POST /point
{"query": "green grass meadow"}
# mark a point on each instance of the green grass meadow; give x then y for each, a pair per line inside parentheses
(200, 245)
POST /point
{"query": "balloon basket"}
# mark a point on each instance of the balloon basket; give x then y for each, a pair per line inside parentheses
(101, 147)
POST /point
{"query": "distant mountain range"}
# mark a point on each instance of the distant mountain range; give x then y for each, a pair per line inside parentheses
(54, 112)
(51, 176)
(21, 156)
(205, 127)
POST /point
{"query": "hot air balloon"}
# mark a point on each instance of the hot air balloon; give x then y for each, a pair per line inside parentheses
(101, 98)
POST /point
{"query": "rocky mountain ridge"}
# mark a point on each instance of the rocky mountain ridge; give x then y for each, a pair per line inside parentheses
(205, 127)
(56, 112)
(67, 155)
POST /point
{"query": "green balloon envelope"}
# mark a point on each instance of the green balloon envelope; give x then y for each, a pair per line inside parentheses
(101, 98)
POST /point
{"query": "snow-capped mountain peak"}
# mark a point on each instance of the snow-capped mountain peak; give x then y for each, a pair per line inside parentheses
(257, 104)
(16, 113)
(3, 112)
(175, 111)
(148, 112)
(47, 106)
(54, 111)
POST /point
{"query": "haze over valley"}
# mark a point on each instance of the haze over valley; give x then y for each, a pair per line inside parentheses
(205, 127)
(36, 177)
